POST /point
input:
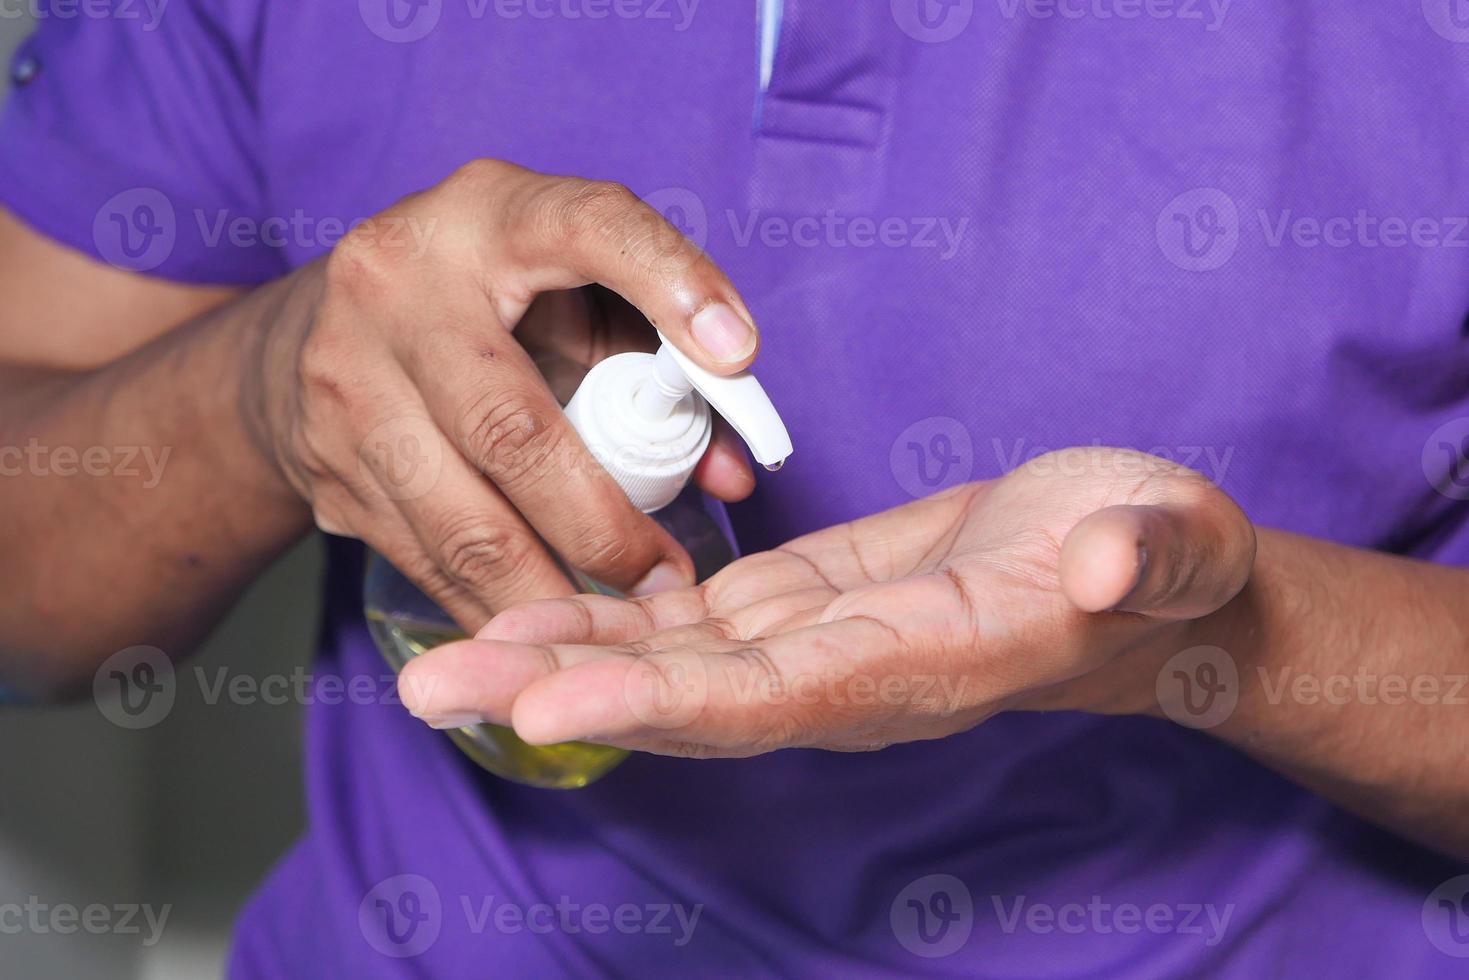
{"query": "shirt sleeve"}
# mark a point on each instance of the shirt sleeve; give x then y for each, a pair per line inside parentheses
(133, 138)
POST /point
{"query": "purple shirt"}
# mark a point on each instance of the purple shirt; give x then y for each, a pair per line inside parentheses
(1231, 234)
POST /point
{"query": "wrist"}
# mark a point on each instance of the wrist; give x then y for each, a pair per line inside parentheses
(270, 335)
(1204, 679)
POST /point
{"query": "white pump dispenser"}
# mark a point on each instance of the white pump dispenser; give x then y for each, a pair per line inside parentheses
(645, 417)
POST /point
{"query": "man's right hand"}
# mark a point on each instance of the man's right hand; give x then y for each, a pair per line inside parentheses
(398, 395)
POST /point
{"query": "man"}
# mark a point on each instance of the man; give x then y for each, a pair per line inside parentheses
(973, 238)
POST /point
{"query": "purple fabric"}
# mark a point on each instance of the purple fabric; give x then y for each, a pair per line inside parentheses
(1126, 265)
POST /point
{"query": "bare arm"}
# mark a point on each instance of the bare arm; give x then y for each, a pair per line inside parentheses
(1352, 681)
(130, 487)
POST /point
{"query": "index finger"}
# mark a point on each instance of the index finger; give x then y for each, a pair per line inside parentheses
(567, 232)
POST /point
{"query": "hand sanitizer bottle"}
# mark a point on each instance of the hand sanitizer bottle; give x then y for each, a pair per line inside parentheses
(646, 418)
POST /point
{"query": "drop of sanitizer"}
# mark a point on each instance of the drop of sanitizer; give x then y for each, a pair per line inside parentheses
(775, 467)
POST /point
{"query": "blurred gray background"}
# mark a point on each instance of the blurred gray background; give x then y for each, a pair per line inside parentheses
(187, 814)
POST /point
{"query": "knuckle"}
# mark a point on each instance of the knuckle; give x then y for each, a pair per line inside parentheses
(475, 552)
(604, 197)
(507, 438)
(359, 267)
(761, 668)
(319, 365)
(596, 207)
(478, 173)
(316, 455)
(550, 660)
(311, 447)
(600, 551)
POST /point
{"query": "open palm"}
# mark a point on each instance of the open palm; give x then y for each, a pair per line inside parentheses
(921, 621)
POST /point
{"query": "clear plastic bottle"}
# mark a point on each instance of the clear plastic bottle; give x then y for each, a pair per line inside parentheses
(646, 418)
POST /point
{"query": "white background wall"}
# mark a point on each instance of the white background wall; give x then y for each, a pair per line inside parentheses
(187, 814)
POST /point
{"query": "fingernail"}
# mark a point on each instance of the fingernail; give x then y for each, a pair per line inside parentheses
(445, 722)
(664, 577)
(727, 336)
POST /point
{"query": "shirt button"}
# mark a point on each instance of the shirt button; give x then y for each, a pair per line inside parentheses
(25, 71)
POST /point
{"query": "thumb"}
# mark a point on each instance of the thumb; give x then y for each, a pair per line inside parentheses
(1180, 558)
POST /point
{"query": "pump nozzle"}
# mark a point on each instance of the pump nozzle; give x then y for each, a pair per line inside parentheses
(638, 415)
(739, 398)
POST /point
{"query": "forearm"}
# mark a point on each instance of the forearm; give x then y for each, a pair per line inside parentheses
(136, 500)
(1352, 681)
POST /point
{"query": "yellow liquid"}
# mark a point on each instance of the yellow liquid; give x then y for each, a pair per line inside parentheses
(570, 765)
